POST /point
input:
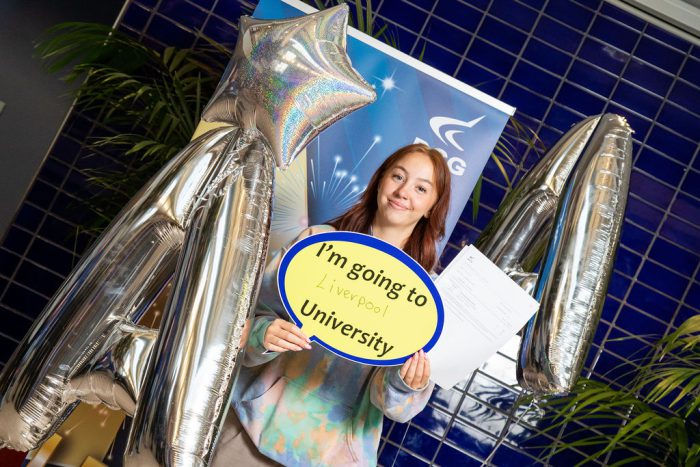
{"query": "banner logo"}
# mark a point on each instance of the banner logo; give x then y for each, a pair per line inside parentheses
(437, 124)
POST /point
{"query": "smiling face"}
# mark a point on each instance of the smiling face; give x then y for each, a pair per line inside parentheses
(406, 192)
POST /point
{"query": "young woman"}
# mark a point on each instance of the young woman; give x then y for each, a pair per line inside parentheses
(303, 405)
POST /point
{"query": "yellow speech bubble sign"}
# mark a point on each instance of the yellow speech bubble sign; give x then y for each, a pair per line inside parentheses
(360, 297)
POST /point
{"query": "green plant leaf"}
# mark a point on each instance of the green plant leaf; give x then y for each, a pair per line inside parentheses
(153, 98)
(476, 198)
(653, 432)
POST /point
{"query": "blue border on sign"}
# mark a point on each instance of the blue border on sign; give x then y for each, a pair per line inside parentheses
(377, 244)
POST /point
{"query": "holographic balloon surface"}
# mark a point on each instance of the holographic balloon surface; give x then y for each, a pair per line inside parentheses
(289, 79)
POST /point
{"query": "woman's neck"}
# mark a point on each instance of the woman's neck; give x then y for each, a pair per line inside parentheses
(395, 235)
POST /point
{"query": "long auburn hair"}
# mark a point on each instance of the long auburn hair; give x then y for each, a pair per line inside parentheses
(421, 245)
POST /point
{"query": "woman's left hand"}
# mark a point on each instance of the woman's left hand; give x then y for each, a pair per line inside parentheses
(415, 371)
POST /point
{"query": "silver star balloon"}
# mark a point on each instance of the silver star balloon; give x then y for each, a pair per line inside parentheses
(290, 79)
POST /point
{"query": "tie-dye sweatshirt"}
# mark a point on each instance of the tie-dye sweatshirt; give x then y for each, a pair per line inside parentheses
(313, 408)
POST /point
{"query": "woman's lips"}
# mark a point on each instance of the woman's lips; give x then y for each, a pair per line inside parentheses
(398, 206)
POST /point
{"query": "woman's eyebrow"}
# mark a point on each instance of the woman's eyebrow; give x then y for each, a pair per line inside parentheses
(425, 180)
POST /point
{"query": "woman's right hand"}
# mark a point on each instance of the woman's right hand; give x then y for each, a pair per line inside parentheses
(281, 336)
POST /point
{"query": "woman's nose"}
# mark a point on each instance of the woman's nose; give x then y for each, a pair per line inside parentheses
(401, 191)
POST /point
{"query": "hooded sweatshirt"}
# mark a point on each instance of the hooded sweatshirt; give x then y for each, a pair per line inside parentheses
(312, 407)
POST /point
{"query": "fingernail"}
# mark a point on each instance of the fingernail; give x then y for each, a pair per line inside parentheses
(308, 346)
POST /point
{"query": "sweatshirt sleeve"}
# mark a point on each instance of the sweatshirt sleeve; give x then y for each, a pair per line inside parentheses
(393, 397)
(396, 399)
(269, 306)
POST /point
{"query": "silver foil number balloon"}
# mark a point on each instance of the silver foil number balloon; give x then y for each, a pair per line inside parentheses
(203, 222)
(574, 198)
(115, 281)
(578, 262)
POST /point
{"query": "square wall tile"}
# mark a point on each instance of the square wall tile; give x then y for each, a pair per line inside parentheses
(671, 144)
(184, 13)
(635, 238)
(674, 257)
(660, 55)
(535, 79)
(648, 77)
(580, 100)
(528, 102)
(687, 208)
(402, 13)
(447, 35)
(557, 34)
(651, 190)
(546, 56)
(658, 305)
(662, 279)
(463, 14)
(691, 71)
(691, 186)
(490, 57)
(614, 33)
(136, 16)
(448, 455)
(693, 296)
(660, 166)
(636, 99)
(603, 55)
(571, 14)
(667, 38)
(470, 439)
(14, 325)
(562, 118)
(440, 58)
(682, 233)
(502, 35)
(168, 32)
(592, 78)
(621, 16)
(514, 13)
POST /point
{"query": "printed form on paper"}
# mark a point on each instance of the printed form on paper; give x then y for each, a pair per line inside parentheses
(484, 308)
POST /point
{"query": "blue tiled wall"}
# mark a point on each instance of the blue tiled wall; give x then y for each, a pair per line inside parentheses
(557, 61)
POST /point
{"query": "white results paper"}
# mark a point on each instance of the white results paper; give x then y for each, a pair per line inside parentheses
(484, 308)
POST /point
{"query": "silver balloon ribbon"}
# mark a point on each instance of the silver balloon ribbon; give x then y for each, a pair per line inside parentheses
(202, 332)
(117, 279)
(578, 263)
(516, 236)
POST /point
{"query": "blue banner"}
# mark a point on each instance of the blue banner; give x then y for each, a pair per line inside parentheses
(415, 103)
